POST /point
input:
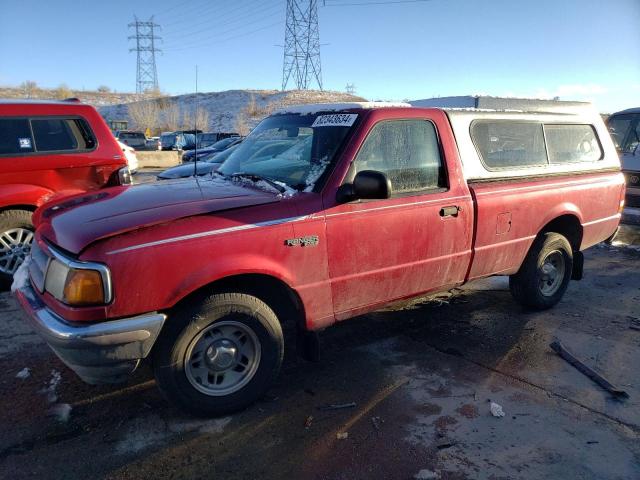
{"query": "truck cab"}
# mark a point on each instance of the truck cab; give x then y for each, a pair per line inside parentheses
(322, 213)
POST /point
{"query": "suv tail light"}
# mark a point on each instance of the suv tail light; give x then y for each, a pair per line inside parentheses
(124, 176)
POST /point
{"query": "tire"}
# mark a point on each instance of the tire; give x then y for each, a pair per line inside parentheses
(16, 235)
(204, 348)
(544, 276)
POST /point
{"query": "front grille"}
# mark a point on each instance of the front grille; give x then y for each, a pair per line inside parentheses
(38, 265)
(632, 201)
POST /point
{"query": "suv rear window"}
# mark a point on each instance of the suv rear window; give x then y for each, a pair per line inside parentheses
(22, 135)
(505, 144)
(15, 136)
(61, 134)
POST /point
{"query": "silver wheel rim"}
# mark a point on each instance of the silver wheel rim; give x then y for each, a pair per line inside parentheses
(552, 273)
(15, 245)
(222, 358)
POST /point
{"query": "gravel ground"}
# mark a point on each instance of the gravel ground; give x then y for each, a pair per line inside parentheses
(422, 376)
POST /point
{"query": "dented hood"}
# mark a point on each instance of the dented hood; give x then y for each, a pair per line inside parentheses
(76, 222)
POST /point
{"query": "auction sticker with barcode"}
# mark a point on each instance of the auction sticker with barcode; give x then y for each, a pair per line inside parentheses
(24, 142)
(335, 120)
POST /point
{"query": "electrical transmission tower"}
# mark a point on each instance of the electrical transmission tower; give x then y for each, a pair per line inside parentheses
(350, 89)
(145, 37)
(302, 45)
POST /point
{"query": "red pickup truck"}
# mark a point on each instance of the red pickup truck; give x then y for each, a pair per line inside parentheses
(48, 149)
(324, 212)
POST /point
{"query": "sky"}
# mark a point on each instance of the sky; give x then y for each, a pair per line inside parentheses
(388, 49)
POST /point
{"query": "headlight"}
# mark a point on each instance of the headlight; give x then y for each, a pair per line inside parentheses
(124, 176)
(77, 283)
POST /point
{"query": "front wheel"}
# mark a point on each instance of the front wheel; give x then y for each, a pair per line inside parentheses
(544, 276)
(16, 235)
(219, 356)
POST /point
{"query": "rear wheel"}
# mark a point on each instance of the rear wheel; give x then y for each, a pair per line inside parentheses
(16, 235)
(544, 276)
(219, 356)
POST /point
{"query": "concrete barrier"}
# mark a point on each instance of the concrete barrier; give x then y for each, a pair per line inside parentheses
(158, 159)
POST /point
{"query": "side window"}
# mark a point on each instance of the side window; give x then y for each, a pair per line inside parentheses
(504, 144)
(61, 134)
(572, 143)
(15, 136)
(407, 152)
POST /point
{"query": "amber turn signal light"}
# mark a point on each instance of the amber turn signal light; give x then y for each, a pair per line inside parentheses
(84, 287)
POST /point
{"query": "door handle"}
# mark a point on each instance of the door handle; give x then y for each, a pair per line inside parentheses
(449, 211)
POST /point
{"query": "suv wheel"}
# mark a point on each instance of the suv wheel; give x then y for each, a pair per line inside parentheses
(16, 235)
(219, 356)
(544, 276)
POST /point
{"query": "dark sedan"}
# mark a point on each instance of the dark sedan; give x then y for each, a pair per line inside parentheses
(203, 166)
(219, 146)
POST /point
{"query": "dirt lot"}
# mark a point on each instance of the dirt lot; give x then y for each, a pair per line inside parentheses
(421, 377)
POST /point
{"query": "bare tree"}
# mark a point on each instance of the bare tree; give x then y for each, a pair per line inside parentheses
(202, 119)
(241, 124)
(63, 91)
(171, 117)
(29, 88)
(145, 114)
(104, 89)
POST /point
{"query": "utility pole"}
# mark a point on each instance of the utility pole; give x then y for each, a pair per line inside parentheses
(145, 37)
(302, 45)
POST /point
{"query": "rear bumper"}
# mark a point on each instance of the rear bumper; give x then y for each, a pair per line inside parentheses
(106, 352)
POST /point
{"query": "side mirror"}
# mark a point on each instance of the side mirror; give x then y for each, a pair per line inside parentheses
(367, 184)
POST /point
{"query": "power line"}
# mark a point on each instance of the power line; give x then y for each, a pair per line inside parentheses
(302, 45)
(212, 13)
(222, 40)
(242, 19)
(381, 2)
(145, 37)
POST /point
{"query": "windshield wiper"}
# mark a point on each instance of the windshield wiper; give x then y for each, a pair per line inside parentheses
(255, 177)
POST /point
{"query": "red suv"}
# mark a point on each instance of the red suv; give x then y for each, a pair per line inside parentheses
(48, 149)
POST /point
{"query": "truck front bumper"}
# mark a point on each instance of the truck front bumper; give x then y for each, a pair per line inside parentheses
(105, 352)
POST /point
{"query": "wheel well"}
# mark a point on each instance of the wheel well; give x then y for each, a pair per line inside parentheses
(568, 226)
(284, 301)
(29, 208)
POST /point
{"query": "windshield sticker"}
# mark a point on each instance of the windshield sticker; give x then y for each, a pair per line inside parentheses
(335, 120)
(24, 142)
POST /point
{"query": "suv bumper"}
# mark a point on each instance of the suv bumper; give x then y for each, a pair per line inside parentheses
(106, 352)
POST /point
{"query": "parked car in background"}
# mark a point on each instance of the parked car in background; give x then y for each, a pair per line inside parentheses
(47, 150)
(219, 146)
(153, 143)
(322, 213)
(625, 130)
(132, 138)
(207, 139)
(207, 164)
(178, 140)
(130, 155)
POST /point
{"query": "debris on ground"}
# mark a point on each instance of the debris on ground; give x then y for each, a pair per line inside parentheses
(308, 422)
(62, 412)
(50, 390)
(376, 422)
(426, 474)
(338, 406)
(496, 410)
(24, 373)
(342, 435)
(565, 354)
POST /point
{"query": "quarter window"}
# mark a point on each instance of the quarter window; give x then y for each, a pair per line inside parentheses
(15, 136)
(61, 134)
(509, 144)
(407, 152)
(572, 143)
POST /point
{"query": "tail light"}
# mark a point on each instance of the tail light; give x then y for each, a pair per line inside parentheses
(124, 176)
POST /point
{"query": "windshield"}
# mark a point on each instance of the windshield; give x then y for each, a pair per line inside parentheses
(168, 138)
(625, 131)
(289, 149)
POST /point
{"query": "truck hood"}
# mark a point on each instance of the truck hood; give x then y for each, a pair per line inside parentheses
(76, 222)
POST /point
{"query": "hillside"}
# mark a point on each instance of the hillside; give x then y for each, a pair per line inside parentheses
(228, 111)
(94, 98)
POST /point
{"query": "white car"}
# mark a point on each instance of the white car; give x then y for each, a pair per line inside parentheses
(130, 155)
